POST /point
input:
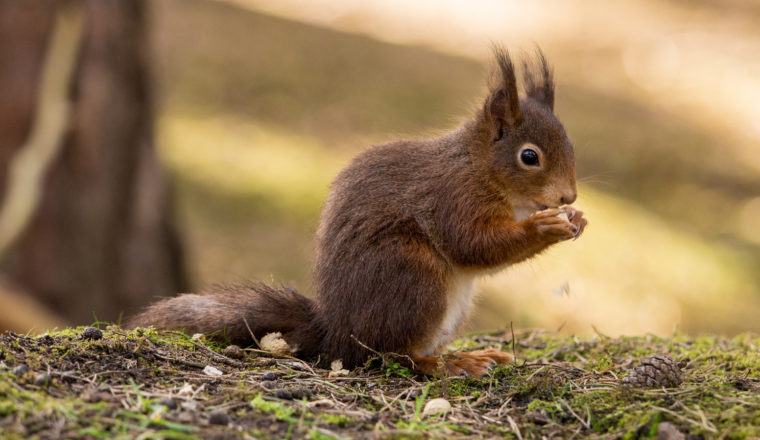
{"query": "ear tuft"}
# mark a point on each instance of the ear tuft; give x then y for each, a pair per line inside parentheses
(504, 103)
(539, 80)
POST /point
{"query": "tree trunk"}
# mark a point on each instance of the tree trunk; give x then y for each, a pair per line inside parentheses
(101, 241)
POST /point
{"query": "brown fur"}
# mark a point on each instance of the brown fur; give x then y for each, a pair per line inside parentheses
(402, 222)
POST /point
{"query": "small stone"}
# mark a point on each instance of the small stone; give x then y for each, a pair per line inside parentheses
(436, 406)
(218, 418)
(233, 351)
(283, 394)
(345, 398)
(668, 431)
(537, 417)
(212, 371)
(189, 405)
(267, 362)
(96, 396)
(269, 384)
(169, 403)
(269, 375)
(42, 379)
(92, 333)
(21, 370)
(655, 371)
(300, 366)
(300, 393)
(186, 418)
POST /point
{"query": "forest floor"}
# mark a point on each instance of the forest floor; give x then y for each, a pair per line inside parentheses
(148, 384)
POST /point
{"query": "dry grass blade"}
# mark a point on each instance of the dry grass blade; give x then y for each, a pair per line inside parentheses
(708, 426)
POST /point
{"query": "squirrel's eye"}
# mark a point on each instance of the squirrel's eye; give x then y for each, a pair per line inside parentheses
(529, 157)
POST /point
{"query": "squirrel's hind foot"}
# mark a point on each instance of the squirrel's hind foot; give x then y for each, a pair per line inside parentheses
(473, 364)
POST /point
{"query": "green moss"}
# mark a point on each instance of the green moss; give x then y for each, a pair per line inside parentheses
(571, 384)
(600, 363)
(456, 388)
(339, 420)
(542, 405)
(316, 435)
(463, 345)
(281, 411)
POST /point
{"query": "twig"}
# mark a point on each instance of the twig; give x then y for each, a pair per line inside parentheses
(180, 361)
(245, 321)
(108, 372)
(219, 357)
(569, 408)
(535, 372)
(514, 350)
(381, 355)
(699, 413)
(294, 360)
(686, 419)
(395, 399)
(554, 366)
(514, 427)
(156, 344)
(602, 335)
(503, 405)
(68, 375)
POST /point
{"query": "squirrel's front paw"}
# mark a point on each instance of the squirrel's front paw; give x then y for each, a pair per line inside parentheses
(553, 225)
(575, 217)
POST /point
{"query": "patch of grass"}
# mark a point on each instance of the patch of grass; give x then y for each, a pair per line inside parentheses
(396, 369)
(280, 410)
(339, 420)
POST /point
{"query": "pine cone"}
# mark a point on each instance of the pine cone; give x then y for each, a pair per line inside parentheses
(655, 371)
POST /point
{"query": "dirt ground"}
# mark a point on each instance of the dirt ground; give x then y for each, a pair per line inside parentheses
(145, 384)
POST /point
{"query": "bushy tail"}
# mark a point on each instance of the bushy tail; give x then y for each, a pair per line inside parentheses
(225, 311)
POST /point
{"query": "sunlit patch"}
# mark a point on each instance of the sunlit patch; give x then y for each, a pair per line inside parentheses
(630, 273)
(749, 220)
(653, 64)
(243, 157)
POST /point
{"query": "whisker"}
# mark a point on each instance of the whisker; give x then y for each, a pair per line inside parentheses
(596, 178)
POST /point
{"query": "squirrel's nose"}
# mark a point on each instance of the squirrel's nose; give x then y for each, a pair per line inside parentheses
(568, 198)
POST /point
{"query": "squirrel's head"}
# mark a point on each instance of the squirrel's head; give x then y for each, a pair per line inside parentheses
(525, 150)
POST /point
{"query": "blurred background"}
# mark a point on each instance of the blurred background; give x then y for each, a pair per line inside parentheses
(201, 138)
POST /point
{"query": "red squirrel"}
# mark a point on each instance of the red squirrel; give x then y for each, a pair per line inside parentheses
(406, 229)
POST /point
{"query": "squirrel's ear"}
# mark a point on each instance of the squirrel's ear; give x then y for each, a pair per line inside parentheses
(539, 82)
(503, 105)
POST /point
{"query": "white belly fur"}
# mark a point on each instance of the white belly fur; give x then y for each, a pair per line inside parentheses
(458, 301)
